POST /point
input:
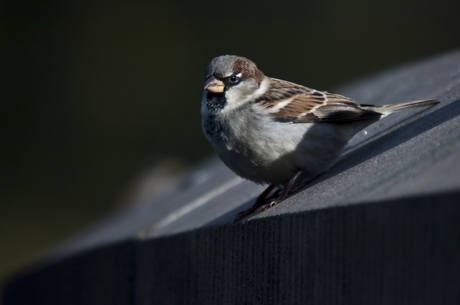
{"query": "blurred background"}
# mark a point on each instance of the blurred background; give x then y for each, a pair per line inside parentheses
(97, 94)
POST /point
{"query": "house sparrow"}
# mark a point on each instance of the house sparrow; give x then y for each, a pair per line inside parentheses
(275, 132)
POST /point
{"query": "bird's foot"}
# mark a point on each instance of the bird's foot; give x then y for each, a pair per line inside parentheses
(266, 201)
(270, 204)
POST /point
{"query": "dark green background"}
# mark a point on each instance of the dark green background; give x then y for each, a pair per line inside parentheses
(94, 93)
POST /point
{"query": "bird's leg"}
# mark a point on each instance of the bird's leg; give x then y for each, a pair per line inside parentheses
(260, 201)
(264, 196)
(290, 188)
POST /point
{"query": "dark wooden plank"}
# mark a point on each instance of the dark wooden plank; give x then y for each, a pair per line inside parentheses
(401, 251)
(102, 275)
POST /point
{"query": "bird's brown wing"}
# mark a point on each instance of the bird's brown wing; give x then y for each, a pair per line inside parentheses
(289, 102)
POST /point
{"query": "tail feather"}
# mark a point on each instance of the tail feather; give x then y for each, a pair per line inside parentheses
(387, 109)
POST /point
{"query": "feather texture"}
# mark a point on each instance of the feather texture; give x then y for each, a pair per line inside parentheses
(292, 103)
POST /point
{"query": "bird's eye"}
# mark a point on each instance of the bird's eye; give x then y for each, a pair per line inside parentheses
(234, 79)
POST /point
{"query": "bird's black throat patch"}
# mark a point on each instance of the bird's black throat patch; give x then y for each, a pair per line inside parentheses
(215, 101)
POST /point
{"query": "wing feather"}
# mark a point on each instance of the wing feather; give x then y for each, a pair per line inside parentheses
(293, 103)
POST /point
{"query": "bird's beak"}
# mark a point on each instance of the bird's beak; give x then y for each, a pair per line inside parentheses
(214, 85)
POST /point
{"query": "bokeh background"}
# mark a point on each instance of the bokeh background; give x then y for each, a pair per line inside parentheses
(95, 94)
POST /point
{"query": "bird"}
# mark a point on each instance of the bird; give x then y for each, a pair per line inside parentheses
(279, 133)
